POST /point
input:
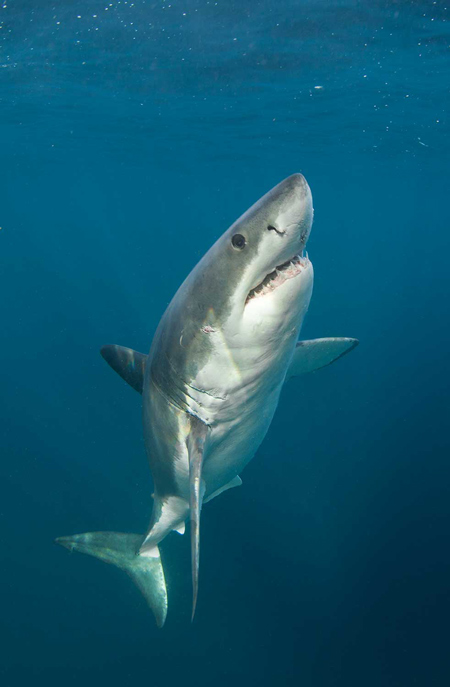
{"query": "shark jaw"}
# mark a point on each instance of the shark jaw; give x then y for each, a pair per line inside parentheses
(282, 273)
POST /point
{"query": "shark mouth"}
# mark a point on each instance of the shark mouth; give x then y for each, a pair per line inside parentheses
(288, 270)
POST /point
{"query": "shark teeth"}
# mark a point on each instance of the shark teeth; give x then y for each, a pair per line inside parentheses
(288, 270)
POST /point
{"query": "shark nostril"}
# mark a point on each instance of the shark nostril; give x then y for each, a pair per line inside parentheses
(270, 227)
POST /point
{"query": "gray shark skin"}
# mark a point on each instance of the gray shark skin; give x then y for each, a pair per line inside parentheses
(211, 382)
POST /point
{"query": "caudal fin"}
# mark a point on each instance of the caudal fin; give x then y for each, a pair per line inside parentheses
(121, 550)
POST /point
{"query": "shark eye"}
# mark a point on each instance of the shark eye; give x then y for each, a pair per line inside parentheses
(238, 241)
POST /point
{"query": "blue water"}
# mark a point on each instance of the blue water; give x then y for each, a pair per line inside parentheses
(131, 135)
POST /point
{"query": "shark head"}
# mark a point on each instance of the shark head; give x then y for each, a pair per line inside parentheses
(276, 279)
(256, 276)
(252, 285)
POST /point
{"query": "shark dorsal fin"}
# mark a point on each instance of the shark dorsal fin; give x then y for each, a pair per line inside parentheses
(129, 364)
(316, 353)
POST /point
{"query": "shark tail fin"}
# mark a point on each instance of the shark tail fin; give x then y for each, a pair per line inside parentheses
(121, 550)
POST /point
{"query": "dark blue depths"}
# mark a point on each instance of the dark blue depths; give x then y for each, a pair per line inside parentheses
(132, 135)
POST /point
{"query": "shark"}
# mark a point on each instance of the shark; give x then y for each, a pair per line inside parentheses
(210, 384)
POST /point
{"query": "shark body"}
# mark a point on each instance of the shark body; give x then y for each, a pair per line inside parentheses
(211, 382)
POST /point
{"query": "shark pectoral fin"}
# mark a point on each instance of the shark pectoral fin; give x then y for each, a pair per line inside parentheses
(121, 550)
(180, 528)
(235, 482)
(129, 364)
(316, 353)
(196, 449)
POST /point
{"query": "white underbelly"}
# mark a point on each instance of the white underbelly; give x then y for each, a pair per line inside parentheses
(237, 397)
(238, 426)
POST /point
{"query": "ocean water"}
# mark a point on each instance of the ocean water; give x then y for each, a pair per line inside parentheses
(132, 134)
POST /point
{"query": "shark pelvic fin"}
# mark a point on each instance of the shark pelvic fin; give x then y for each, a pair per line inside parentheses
(196, 449)
(129, 364)
(121, 550)
(316, 353)
(235, 482)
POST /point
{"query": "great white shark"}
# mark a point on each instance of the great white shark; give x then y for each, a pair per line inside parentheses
(211, 382)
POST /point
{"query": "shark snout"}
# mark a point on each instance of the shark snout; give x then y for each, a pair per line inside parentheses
(296, 183)
(293, 210)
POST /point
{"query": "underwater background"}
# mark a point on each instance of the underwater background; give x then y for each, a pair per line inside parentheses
(132, 134)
